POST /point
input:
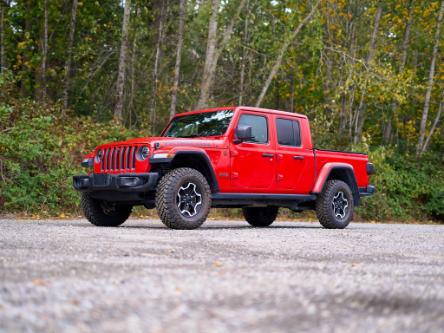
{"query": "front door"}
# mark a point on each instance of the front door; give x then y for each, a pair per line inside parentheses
(253, 161)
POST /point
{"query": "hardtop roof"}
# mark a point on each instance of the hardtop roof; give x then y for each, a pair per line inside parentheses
(247, 108)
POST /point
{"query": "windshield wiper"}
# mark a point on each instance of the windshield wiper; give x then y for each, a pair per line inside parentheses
(192, 136)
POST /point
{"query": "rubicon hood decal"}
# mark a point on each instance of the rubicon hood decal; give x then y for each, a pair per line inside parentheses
(192, 143)
(162, 142)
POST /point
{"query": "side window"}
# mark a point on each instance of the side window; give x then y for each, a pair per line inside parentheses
(259, 128)
(288, 132)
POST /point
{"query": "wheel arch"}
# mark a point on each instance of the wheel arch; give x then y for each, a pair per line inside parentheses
(338, 171)
(198, 160)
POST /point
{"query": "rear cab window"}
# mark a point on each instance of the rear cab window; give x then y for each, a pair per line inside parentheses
(288, 132)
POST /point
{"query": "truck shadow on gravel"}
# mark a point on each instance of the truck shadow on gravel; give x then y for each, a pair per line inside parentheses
(220, 227)
(204, 227)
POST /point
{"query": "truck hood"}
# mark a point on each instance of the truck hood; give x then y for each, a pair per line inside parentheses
(163, 143)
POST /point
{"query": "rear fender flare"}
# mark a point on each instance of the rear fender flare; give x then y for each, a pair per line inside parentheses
(347, 175)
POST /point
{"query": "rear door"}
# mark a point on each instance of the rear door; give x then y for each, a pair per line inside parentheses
(253, 162)
(295, 162)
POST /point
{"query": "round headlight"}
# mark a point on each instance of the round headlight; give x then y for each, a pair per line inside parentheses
(142, 153)
(99, 156)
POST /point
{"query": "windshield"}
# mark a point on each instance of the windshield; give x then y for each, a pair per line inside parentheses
(200, 124)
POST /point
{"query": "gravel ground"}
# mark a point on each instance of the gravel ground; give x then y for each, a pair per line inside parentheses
(69, 276)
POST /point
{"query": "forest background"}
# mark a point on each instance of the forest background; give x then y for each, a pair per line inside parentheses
(76, 73)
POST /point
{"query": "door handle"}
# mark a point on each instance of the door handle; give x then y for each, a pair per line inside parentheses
(267, 155)
(298, 157)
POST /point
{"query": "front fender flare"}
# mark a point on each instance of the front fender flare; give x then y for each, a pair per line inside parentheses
(180, 155)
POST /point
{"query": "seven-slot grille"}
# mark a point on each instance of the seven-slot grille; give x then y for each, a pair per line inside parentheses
(119, 158)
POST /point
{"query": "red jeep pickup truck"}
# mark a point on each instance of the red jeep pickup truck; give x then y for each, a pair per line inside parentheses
(253, 158)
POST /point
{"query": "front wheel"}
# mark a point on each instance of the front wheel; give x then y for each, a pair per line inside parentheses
(260, 216)
(183, 199)
(334, 206)
(103, 213)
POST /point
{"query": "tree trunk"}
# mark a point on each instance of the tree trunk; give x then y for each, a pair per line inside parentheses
(2, 39)
(209, 56)
(182, 5)
(327, 81)
(292, 91)
(26, 87)
(118, 110)
(347, 98)
(425, 112)
(342, 115)
(133, 72)
(406, 40)
(243, 60)
(44, 51)
(435, 123)
(69, 46)
(372, 48)
(3, 5)
(228, 32)
(156, 68)
(214, 51)
(387, 133)
(405, 44)
(360, 112)
(281, 54)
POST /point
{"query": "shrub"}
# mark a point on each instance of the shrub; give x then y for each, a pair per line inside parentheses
(39, 153)
(406, 189)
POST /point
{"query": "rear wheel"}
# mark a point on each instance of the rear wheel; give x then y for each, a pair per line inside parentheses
(183, 199)
(103, 213)
(260, 216)
(334, 206)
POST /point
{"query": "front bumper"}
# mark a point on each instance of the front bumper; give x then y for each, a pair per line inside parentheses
(130, 182)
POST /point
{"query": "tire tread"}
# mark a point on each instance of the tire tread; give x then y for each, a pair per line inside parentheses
(94, 213)
(166, 199)
(323, 205)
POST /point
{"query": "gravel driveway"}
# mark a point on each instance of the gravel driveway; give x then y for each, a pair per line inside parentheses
(69, 276)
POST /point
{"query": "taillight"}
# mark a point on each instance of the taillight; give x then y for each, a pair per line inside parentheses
(370, 169)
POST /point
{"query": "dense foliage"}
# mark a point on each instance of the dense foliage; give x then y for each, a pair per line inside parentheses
(40, 152)
(368, 73)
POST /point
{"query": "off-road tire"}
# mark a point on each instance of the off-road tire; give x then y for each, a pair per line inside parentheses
(260, 216)
(166, 198)
(324, 210)
(94, 212)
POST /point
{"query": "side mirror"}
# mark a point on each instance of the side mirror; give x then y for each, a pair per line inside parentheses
(243, 133)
